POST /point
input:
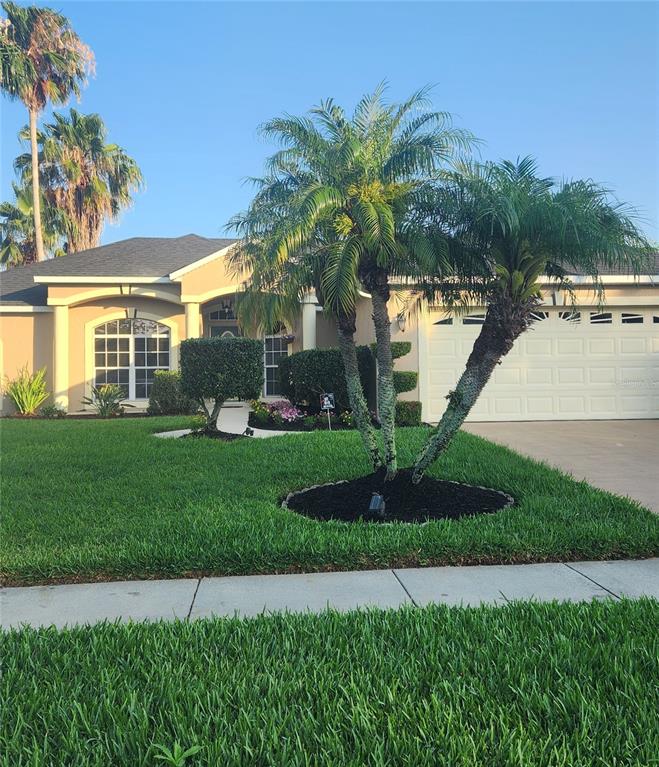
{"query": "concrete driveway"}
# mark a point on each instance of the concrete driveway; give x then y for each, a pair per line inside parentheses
(619, 456)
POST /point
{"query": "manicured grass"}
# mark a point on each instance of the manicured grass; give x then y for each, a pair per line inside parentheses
(105, 499)
(524, 685)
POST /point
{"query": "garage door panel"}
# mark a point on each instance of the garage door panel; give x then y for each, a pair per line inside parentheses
(604, 375)
(540, 406)
(632, 346)
(538, 347)
(506, 376)
(571, 375)
(601, 346)
(539, 376)
(570, 346)
(557, 370)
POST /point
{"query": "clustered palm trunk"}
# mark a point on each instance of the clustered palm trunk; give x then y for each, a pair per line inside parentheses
(505, 320)
(379, 288)
(346, 337)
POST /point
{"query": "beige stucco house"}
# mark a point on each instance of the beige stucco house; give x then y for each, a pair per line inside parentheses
(118, 312)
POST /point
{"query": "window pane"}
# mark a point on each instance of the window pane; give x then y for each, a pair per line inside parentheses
(111, 327)
(100, 378)
(151, 360)
(474, 319)
(112, 344)
(140, 391)
(152, 344)
(140, 344)
(124, 360)
(447, 321)
(632, 319)
(600, 318)
(125, 327)
(140, 360)
(124, 344)
(100, 330)
(570, 316)
(99, 345)
(99, 360)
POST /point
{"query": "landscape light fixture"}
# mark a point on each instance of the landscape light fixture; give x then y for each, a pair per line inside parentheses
(401, 319)
(248, 432)
(376, 506)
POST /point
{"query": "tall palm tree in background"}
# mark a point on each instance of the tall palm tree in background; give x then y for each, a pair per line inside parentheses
(340, 192)
(42, 60)
(85, 177)
(17, 234)
(515, 226)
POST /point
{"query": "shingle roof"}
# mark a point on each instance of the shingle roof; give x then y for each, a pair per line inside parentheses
(652, 269)
(136, 257)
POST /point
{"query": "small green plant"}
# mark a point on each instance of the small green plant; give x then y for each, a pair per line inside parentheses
(28, 390)
(176, 757)
(347, 418)
(198, 422)
(107, 400)
(309, 421)
(167, 396)
(408, 413)
(51, 411)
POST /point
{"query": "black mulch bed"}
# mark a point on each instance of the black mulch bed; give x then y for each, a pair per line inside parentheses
(223, 436)
(404, 502)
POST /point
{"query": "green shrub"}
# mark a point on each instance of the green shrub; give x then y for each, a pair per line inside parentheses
(405, 380)
(408, 413)
(306, 375)
(398, 349)
(219, 369)
(107, 400)
(51, 411)
(167, 397)
(28, 390)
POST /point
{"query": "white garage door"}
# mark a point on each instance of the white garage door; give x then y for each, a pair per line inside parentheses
(571, 364)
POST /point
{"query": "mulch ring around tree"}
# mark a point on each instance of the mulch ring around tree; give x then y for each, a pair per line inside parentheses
(431, 499)
(223, 436)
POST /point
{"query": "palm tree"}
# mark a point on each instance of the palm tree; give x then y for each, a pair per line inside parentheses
(87, 178)
(17, 235)
(41, 60)
(520, 226)
(341, 190)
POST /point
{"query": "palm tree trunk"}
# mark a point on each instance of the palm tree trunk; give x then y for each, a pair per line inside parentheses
(386, 390)
(360, 411)
(36, 195)
(495, 340)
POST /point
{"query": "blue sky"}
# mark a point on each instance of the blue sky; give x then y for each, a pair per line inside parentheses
(183, 86)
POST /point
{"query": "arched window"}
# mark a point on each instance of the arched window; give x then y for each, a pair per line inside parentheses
(128, 352)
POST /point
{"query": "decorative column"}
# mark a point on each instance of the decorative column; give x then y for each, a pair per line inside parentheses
(192, 321)
(309, 321)
(61, 357)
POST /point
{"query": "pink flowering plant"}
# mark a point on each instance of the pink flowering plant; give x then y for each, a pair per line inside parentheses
(281, 411)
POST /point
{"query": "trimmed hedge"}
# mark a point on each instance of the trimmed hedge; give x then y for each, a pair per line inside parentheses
(405, 380)
(221, 368)
(408, 413)
(306, 375)
(167, 396)
(398, 349)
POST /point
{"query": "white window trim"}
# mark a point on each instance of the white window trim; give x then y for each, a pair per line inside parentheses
(130, 314)
(266, 366)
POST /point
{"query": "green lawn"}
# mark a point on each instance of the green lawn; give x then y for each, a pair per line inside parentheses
(104, 499)
(523, 685)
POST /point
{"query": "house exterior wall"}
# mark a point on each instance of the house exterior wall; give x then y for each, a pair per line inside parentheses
(26, 340)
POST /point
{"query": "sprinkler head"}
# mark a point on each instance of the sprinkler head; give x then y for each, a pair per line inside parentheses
(377, 505)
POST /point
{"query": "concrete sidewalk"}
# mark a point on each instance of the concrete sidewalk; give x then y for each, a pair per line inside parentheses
(251, 595)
